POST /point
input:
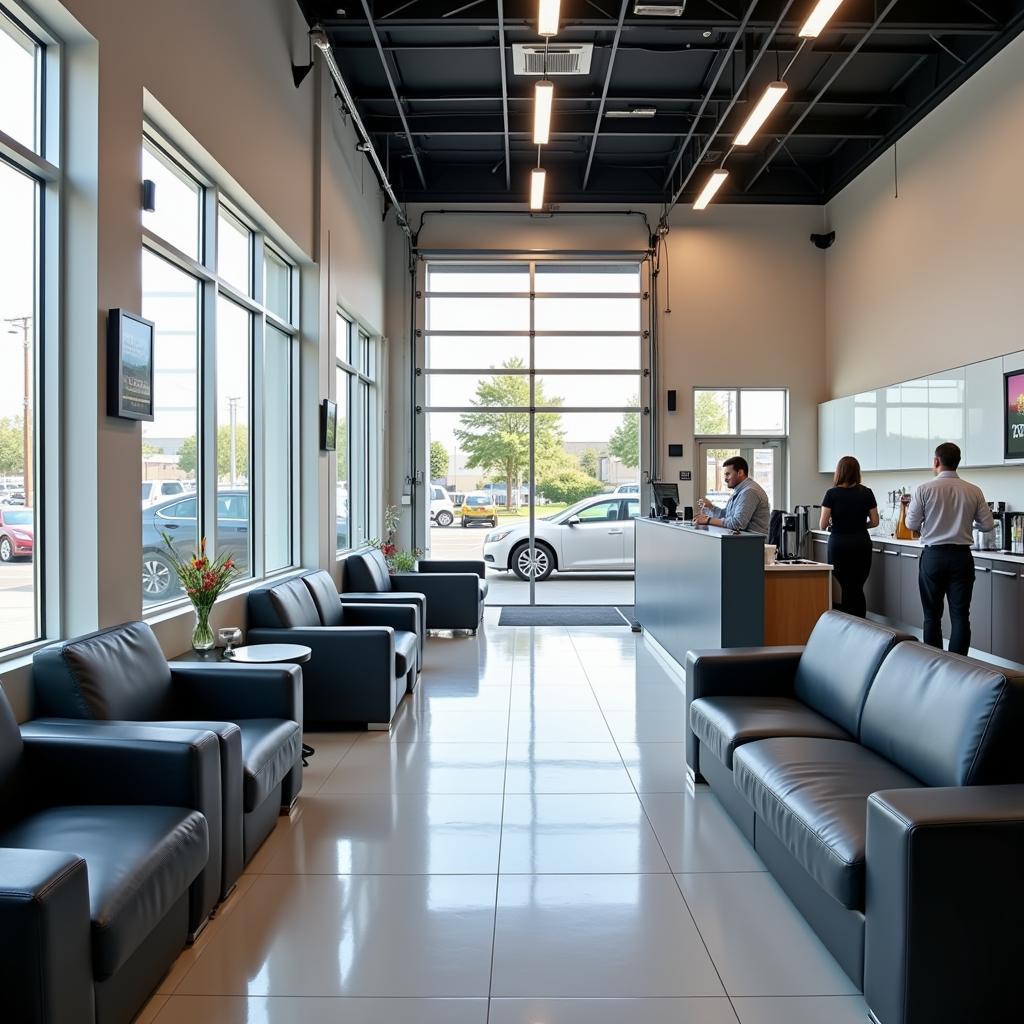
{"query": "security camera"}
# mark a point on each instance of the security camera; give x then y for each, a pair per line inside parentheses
(824, 241)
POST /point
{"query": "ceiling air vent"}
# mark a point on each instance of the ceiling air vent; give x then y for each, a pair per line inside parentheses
(660, 10)
(561, 60)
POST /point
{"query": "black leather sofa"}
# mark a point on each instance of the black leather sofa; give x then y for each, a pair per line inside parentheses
(365, 656)
(455, 591)
(120, 675)
(101, 839)
(880, 782)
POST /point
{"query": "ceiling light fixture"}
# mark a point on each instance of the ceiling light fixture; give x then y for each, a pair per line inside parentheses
(715, 182)
(819, 18)
(537, 178)
(547, 17)
(634, 112)
(543, 100)
(761, 112)
(660, 10)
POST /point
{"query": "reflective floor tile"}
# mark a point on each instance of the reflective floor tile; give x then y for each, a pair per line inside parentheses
(397, 834)
(435, 701)
(760, 943)
(646, 726)
(660, 697)
(420, 768)
(318, 935)
(697, 834)
(557, 726)
(149, 1012)
(806, 1010)
(553, 698)
(590, 834)
(469, 727)
(565, 768)
(611, 1011)
(656, 767)
(597, 936)
(289, 1010)
(330, 749)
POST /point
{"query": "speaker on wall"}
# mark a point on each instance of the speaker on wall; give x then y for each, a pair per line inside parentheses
(672, 401)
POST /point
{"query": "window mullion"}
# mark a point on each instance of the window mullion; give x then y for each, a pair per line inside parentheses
(207, 397)
(257, 448)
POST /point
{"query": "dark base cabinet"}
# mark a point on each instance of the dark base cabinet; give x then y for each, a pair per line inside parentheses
(911, 612)
(891, 583)
(981, 606)
(874, 589)
(1007, 609)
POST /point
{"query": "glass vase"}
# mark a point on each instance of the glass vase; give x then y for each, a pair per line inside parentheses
(202, 634)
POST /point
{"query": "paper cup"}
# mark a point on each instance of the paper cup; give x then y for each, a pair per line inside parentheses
(769, 554)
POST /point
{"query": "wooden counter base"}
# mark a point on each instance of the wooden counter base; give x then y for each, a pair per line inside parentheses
(794, 600)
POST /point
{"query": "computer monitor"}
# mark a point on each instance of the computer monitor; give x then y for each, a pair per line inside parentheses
(666, 495)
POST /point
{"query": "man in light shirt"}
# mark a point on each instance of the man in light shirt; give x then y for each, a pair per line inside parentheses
(944, 511)
(747, 509)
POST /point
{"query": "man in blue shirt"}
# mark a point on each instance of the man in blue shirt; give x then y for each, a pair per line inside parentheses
(748, 508)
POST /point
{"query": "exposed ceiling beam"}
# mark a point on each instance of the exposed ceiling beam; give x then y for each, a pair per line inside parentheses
(504, 89)
(385, 63)
(561, 99)
(604, 92)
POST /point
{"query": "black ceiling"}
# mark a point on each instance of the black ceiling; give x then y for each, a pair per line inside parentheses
(876, 71)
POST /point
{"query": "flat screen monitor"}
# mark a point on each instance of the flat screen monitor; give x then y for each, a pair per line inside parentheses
(667, 497)
(1013, 435)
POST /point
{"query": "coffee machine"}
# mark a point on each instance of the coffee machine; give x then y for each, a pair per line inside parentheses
(1012, 528)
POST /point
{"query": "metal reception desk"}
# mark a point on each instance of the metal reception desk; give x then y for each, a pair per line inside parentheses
(708, 588)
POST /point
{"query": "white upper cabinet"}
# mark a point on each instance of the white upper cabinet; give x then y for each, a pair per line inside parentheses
(843, 441)
(983, 434)
(915, 430)
(826, 436)
(865, 429)
(890, 427)
(946, 408)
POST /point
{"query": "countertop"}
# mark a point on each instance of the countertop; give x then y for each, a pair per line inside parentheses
(806, 567)
(996, 556)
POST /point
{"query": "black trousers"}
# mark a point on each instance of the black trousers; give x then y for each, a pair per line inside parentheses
(850, 556)
(947, 573)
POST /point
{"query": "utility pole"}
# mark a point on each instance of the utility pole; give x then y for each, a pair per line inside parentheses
(233, 407)
(21, 324)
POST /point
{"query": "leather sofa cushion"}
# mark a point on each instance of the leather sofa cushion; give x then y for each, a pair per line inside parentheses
(119, 672)
(13, 787)
(405, 652)
(367, 570)
(325, 596)
(842, 655)
(483, 589)
(949, 720)
(812, 794)
(270, 748)
(140, 861)
(724, 723)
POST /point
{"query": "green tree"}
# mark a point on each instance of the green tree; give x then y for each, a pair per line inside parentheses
(188, 461)
(341, 450)
(438, 461)
(588, 461)
(709, 417)
(568, 486)
(498, 442)
(625, 440)
(12, 446)
(151, 449)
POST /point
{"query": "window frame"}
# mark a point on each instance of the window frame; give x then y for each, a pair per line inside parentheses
(212, 288)
(739, 432)
(41, 164)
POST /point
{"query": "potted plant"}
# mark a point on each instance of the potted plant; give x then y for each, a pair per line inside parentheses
(397, 560)
(202, 581)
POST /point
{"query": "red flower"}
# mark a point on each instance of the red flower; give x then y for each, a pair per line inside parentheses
(229, 564)
(387, 550)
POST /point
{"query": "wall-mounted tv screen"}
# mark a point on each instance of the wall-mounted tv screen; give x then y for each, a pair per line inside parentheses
(1014, 433)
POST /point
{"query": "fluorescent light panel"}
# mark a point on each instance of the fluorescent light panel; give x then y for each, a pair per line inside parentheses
(715, 182)
(543, 99)
(547, 17)
(537, 178)
(819, 18)
(761, 112)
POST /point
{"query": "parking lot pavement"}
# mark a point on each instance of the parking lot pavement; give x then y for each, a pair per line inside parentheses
(17, 603)
(614, 588)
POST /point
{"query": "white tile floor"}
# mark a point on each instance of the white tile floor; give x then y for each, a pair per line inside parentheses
(520, 849)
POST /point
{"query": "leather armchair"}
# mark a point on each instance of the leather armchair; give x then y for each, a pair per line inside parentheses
(360, 668)
(101, 840)
(455, 591)
(119, 675)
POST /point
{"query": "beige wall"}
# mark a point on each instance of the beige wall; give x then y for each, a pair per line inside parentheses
(932, 279)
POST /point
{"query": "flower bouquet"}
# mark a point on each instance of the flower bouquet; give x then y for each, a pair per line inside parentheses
(398, 561)
(202, 581)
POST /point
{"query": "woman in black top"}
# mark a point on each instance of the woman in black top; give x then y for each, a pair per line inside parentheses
(851, 509)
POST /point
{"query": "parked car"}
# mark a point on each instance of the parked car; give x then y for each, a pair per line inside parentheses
(156, 491)
(627, 489)
(594, 535)
(479, 507)
(442, 508)
(458, 497)
(17, 533)
(13, 498)
(177, 520)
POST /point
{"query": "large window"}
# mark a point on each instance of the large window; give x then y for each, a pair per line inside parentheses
(742, 412)
(358, 449)
(29, 188)
(221, 297)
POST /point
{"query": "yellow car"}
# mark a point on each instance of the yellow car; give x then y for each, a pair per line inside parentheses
(479, 508)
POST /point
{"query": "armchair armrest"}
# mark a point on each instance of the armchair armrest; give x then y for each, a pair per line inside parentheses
(453, 598)
(45, 956)
(736, 672)
(397, 616)
(226, 691)
(474, 566)
(945, 896)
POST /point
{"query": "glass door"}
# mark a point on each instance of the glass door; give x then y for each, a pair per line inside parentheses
(767, 467)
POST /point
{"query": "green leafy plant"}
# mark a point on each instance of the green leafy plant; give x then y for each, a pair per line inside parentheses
(397, 561)
(202, 581)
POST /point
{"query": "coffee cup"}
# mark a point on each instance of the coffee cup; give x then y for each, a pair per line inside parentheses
(769, 553)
